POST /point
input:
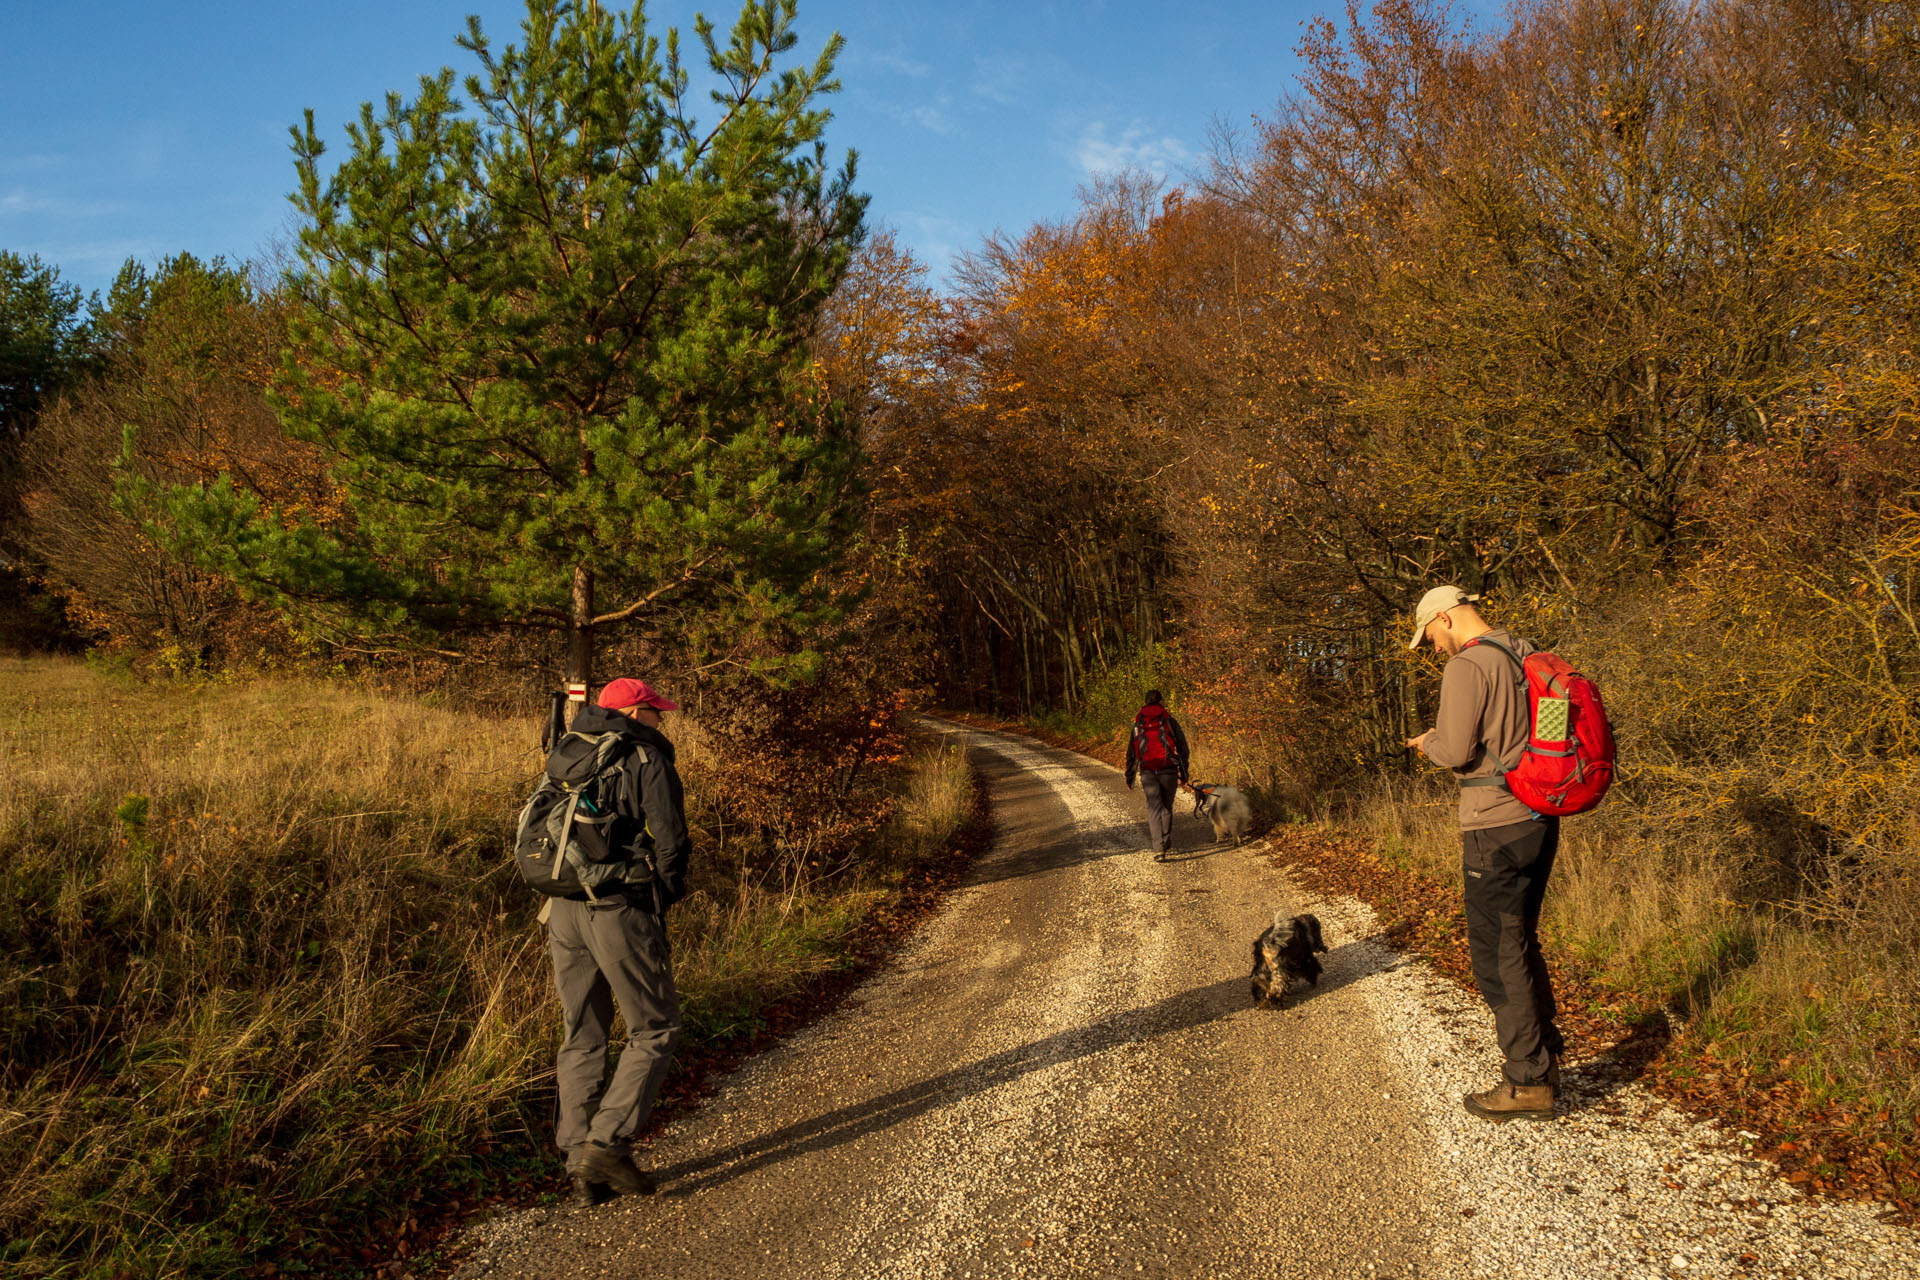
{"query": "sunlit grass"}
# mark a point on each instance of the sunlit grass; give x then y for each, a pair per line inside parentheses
(266, 969)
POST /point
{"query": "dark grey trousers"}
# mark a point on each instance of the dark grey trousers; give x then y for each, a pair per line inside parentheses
(606, 956)
(1162, 788)
(1505, 871)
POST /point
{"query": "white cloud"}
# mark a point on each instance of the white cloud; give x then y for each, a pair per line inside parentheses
(899, 65)
(931, 116)
(1135, 147)
(1002, 81)
(933, 119)
(14, 204)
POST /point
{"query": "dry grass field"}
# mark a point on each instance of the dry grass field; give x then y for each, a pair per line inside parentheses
(261, 947)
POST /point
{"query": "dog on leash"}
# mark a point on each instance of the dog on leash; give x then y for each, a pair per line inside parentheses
(1283, 955)
(1225, 807)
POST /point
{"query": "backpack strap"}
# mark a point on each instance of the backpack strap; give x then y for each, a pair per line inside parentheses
(566, 830)
(1521, 678)
(1499, 778)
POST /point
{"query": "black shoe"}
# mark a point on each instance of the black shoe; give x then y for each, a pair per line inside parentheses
(587, 1194)
(615, 1168)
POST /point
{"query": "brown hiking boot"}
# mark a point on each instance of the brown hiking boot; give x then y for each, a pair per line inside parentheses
(1512, 1102)
(615, 1168)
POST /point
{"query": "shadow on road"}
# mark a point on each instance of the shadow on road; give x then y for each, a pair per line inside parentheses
(1015, 785)
(1120, 840)
(851, 1123)
(1197, 855)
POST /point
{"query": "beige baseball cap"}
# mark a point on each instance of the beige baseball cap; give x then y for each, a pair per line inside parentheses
(1432, 605)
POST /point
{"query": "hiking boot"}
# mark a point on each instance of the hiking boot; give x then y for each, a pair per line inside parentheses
(615, 1168)
(587, 1194)
(1512, 1102)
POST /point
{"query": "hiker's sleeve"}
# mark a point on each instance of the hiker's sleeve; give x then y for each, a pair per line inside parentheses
(666, 805)
(1133, 752)
(1455, 736)
(1179, 746)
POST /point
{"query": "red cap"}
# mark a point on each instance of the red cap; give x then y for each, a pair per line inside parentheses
(624, 693)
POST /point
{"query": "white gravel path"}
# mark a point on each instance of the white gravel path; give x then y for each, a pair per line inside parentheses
(1645, 1192)
(1061, 1076)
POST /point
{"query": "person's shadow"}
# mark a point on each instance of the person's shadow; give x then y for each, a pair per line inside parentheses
(851, 1123)
(1076, 848)
(1346, 964)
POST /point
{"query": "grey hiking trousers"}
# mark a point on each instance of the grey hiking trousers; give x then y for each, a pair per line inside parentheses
(1506, 870)
(1162, 788)
(608, 955)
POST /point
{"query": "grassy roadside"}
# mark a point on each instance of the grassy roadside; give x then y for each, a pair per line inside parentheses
(270, 990)
(1785, 1026)
(1763, 1023)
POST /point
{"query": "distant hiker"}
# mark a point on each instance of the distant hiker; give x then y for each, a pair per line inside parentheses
(609, 950)
(1157, 752)
(1507, 849)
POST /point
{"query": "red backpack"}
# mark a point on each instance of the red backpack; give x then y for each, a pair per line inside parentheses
(1153, 739)
(1567, 764)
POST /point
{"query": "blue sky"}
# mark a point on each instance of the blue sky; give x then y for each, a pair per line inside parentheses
(143, 129)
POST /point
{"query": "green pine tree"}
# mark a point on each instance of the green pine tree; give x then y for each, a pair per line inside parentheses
(47, 346)
(45, 340)
(554, 347)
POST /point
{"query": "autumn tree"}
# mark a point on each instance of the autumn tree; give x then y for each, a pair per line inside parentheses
(553, 345)
(1047, 458)
(187, 353)
(46, 346)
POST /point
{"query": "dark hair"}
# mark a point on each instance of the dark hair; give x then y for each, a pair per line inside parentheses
(1153, 697)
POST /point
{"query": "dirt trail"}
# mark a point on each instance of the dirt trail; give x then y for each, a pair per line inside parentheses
(1062, 1076)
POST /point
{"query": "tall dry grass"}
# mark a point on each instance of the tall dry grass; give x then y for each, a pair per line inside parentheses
(1651, 896)
(266, 971)
(1756, 869)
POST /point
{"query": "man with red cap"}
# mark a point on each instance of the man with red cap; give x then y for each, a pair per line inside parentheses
(610, 951)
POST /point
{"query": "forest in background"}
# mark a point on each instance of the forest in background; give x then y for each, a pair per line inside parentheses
(530, 397)
(1606, 310)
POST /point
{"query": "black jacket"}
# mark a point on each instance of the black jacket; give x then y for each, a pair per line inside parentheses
(650, 802)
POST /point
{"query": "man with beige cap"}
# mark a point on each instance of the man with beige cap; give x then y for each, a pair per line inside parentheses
(1507, 849)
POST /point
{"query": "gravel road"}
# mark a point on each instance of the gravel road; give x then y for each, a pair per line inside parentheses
(1062, 1076)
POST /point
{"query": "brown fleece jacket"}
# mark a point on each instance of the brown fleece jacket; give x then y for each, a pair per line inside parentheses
(1483, 723)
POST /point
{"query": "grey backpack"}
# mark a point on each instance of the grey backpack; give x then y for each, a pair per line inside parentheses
(564, 845)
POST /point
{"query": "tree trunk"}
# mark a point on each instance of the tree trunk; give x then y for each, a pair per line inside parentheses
(580, 626)
(1026, 667)
(580, 631)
